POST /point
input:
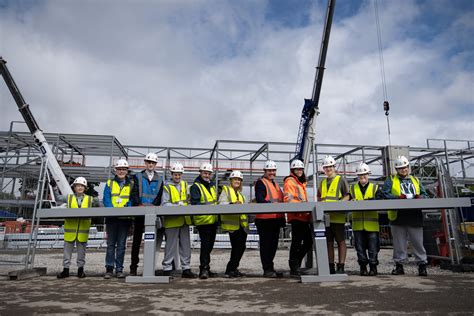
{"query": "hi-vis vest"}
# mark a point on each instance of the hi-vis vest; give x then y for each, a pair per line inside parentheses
(233, 222)
(367, 220)
(295, 192)
(207, 198)
(77, 228)
(175, 198)
(333, 194)
(274, 195)
(396, 190)
(119, 197)
(148, 190)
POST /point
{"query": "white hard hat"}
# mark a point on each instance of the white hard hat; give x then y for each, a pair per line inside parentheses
(401, 162)
(80, 180)
(206, 167)
(363, 168)
(121, 163)
(297, 164)
(236, 174)
(151, 157)
(270, 165)
(329, 161)
(177, 167)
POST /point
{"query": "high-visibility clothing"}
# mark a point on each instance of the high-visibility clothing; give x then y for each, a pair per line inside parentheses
(207, 198)
(366, 220)
(77, 228)
(175, 198)
(148, 190)
(119, 196)
(333, 194)
(274, 195)
(232, 222)
(295, 192)
(396, 190)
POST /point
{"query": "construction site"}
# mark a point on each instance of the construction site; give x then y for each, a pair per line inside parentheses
(32, 229)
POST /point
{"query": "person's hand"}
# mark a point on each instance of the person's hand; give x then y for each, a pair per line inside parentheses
(410, 196)
(180, 203)
(402, 196)
(417, 196)
(238, 202)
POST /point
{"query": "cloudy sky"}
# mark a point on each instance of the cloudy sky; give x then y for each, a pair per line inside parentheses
(185, 73)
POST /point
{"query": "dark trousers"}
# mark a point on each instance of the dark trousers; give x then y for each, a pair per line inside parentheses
(138, 229)
(207, 234)
(238, 239)
(367, 245)
(269, 232)
(301, 240)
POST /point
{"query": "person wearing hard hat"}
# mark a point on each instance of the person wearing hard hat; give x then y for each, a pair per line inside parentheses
(268, 225)
(203, 193)
(365, 224)
(294, 190)
(406, 223)
(235, 224)
(332, 189)
(76, 230)
(175, 192)
(117, 194)
(147, 190)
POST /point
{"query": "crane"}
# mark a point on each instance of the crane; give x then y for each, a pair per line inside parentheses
(54, 169)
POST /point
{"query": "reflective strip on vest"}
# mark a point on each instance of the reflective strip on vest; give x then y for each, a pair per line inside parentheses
(366, 220)
(274, 195)
(333, 194)
(233, 222)
(301, 196)
(397, 189)
(175, 198)
(117, 193)
(207, 198)
(77, 228)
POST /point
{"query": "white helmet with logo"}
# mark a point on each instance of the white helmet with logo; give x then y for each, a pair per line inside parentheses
(151, 157)
(236, 174)
(206, 167)
(80, 180)
(121, 163)
(297, 164)
(177, 167)
(401, 162)
(363, 168)
(270, 165)
(329, 161)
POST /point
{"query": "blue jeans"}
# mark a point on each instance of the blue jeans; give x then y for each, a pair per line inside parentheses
(117, 231)
(367, 245)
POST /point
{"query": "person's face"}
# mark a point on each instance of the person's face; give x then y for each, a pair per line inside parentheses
(176, 176)
(121, 173)
(206, 175)
(235, 182)
(79, 189)
(150, 165)
(329, 171)
(403, 171)
(270, 174)
(298, 172)
(363, 178)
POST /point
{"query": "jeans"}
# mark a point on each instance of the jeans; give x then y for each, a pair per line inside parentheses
(367, 245)
(117, 231)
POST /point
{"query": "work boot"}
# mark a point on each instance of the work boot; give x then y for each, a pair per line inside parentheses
(204, 274)
(340, 268)
(363, 270)
(294, 268)
(80, 273)
(167, 273)
(133, 271)
(187, 274)
(422, 270)
(398, 270)
(332, 268)
(109, 273)
(239, 274)
(121, 275)
(231, 274)
(63, 274)
(373, 270)
(272, 274)
(212, 274)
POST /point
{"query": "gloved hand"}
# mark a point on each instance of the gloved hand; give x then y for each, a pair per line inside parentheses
(402, 196)
(52, 182)
(410, 196)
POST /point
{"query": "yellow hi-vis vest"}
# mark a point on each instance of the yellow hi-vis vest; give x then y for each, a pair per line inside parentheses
(207, 198)
(175, 198)
(366, 220)
(333, 194)
(232, 222)
(397, 191)
(117, 194)
(77, 228)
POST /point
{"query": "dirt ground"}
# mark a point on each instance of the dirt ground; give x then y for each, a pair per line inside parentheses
(441, 293)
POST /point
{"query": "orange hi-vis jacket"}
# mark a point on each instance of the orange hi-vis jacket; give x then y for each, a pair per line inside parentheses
(295, 192)
(274, 195)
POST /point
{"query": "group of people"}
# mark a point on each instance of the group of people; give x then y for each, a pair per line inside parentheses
(148, 188)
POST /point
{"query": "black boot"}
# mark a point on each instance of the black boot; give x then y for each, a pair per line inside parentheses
(373, 270)
(63, 274)
(294, 268)
(204, 274)
(187, 274)
(340, 268)
(422, 270)
(332, 268)
(80, 273)
(363, 270)
(133, 271)
(398, 270)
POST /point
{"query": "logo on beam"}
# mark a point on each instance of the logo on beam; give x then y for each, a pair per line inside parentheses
(319, 234)
(149, 236)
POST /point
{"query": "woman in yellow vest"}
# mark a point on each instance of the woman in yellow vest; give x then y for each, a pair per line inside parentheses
(365, 224)
(235, 224)
(76, 230)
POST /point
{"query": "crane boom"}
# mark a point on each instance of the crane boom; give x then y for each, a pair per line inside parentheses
(53, 167)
